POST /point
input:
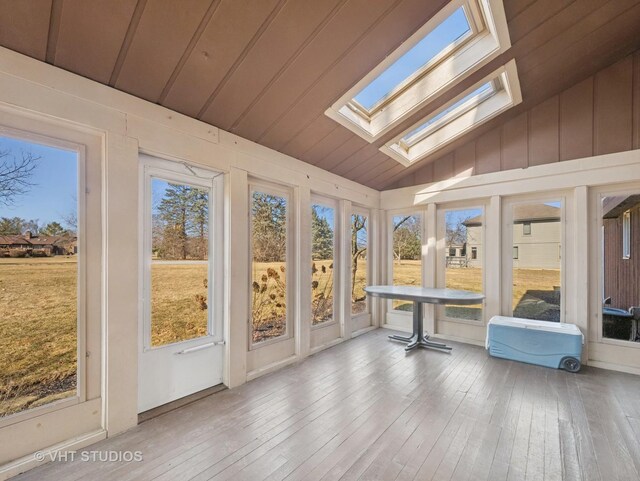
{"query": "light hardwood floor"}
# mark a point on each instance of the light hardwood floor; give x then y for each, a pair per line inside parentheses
(366, 410)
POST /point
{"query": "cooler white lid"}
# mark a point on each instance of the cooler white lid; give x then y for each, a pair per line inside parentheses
(561, 327)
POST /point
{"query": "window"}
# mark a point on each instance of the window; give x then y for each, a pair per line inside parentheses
(626, 235)
(40, 299)
(526, 228)
(407, 254)
(269, 253)
(463, 228)
(493, 95)
(536, 271)
(359, 262)
(462, 37)
(179, 261)
(620, 274)
(322, 262)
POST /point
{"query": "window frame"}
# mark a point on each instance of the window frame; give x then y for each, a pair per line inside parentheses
(626, 235)
(171, 171)
(363, 211)
(82, 342)
(441, 249)
(489, 38)
(333, 204)
(509, 203)
(419, 212)
(266, 187)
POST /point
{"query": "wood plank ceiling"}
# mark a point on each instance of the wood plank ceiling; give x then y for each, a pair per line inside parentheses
(268, 69)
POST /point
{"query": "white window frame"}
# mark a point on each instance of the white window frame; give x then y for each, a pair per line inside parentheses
(489, 38)
(332, 204)
(355, 210)
(81, 307)
(442, 209)
(212, 181)
(267, 187)
(626, 235)
(420, 213)
(509, 204)
(459, 121)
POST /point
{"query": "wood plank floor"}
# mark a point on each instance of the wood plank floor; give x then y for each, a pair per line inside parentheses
(366, 410)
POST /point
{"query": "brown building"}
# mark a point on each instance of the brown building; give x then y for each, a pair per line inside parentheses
(36, 245)
(621, 240)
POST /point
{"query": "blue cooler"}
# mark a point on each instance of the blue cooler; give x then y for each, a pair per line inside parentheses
(550, 344)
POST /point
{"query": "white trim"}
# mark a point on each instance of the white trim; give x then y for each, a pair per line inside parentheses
(435, 78)
(461, 120)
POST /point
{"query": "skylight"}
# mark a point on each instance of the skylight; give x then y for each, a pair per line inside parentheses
(446, 34)
(496, 93)
(458, 40)
(457, 108)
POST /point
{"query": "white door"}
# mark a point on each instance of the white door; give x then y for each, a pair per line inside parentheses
(181, 342)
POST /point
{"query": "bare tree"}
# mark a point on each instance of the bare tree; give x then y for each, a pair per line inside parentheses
(15, 175)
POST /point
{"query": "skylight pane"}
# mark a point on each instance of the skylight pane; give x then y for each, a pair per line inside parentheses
(447, 32)
(480, 90)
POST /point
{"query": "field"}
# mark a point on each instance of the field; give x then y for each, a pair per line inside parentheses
(38, 313)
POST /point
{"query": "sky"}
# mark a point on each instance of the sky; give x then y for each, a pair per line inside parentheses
(54, 193)
(433, 43)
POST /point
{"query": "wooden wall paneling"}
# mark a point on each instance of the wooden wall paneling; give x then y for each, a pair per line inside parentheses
(425, 174)
(464, 160)
(391, 168)
(352, 145)
(314, 63)
(488, 152)
(536, 14)
(515, 144)
(359, 160)
(25, 28)
(543, 132)
(515, 7)
(576, 121)
(165, 26)
(636, 100)
(613, 108)
(231, 28)
(443, 167)
(381, 35)
(376, 166)
(91, 35)
(299, 144)
(327, 145)
(285, 37)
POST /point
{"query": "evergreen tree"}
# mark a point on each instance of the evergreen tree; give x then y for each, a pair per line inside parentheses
(52, 229)
(322, 235)
(269, 227)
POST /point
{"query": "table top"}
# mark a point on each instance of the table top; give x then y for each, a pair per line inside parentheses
(426, 294)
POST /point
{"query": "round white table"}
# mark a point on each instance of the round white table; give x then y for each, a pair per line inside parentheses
(419, 296)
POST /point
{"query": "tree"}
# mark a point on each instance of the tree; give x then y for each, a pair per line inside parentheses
(321, 234)
(11, 226)
(407, 242)
(15, 175)
(53, 229)
(456, 234)
(269, 227)
(358, 247)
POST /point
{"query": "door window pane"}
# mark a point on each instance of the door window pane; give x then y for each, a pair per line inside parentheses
(359, 262)
(536, 291)
(407, 255)
(38, 274)
(322, 269)
(268, 265)
(464, 258)
(620, 266)
(179, 262)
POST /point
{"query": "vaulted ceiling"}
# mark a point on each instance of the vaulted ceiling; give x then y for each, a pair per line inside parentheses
(268, 69)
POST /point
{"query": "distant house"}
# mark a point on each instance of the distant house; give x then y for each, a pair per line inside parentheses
(536, 238)
(36, 245)
(621, 237)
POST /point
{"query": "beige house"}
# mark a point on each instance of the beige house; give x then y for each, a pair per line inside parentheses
(536, 238)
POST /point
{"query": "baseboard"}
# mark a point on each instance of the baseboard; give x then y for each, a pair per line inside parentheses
(45, 455)
(256, 373)
(609, 366)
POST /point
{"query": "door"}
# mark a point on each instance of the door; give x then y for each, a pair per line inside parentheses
(180, 327)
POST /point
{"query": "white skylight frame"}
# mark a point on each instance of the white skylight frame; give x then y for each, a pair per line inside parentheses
(488, 39)
(472, 113)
